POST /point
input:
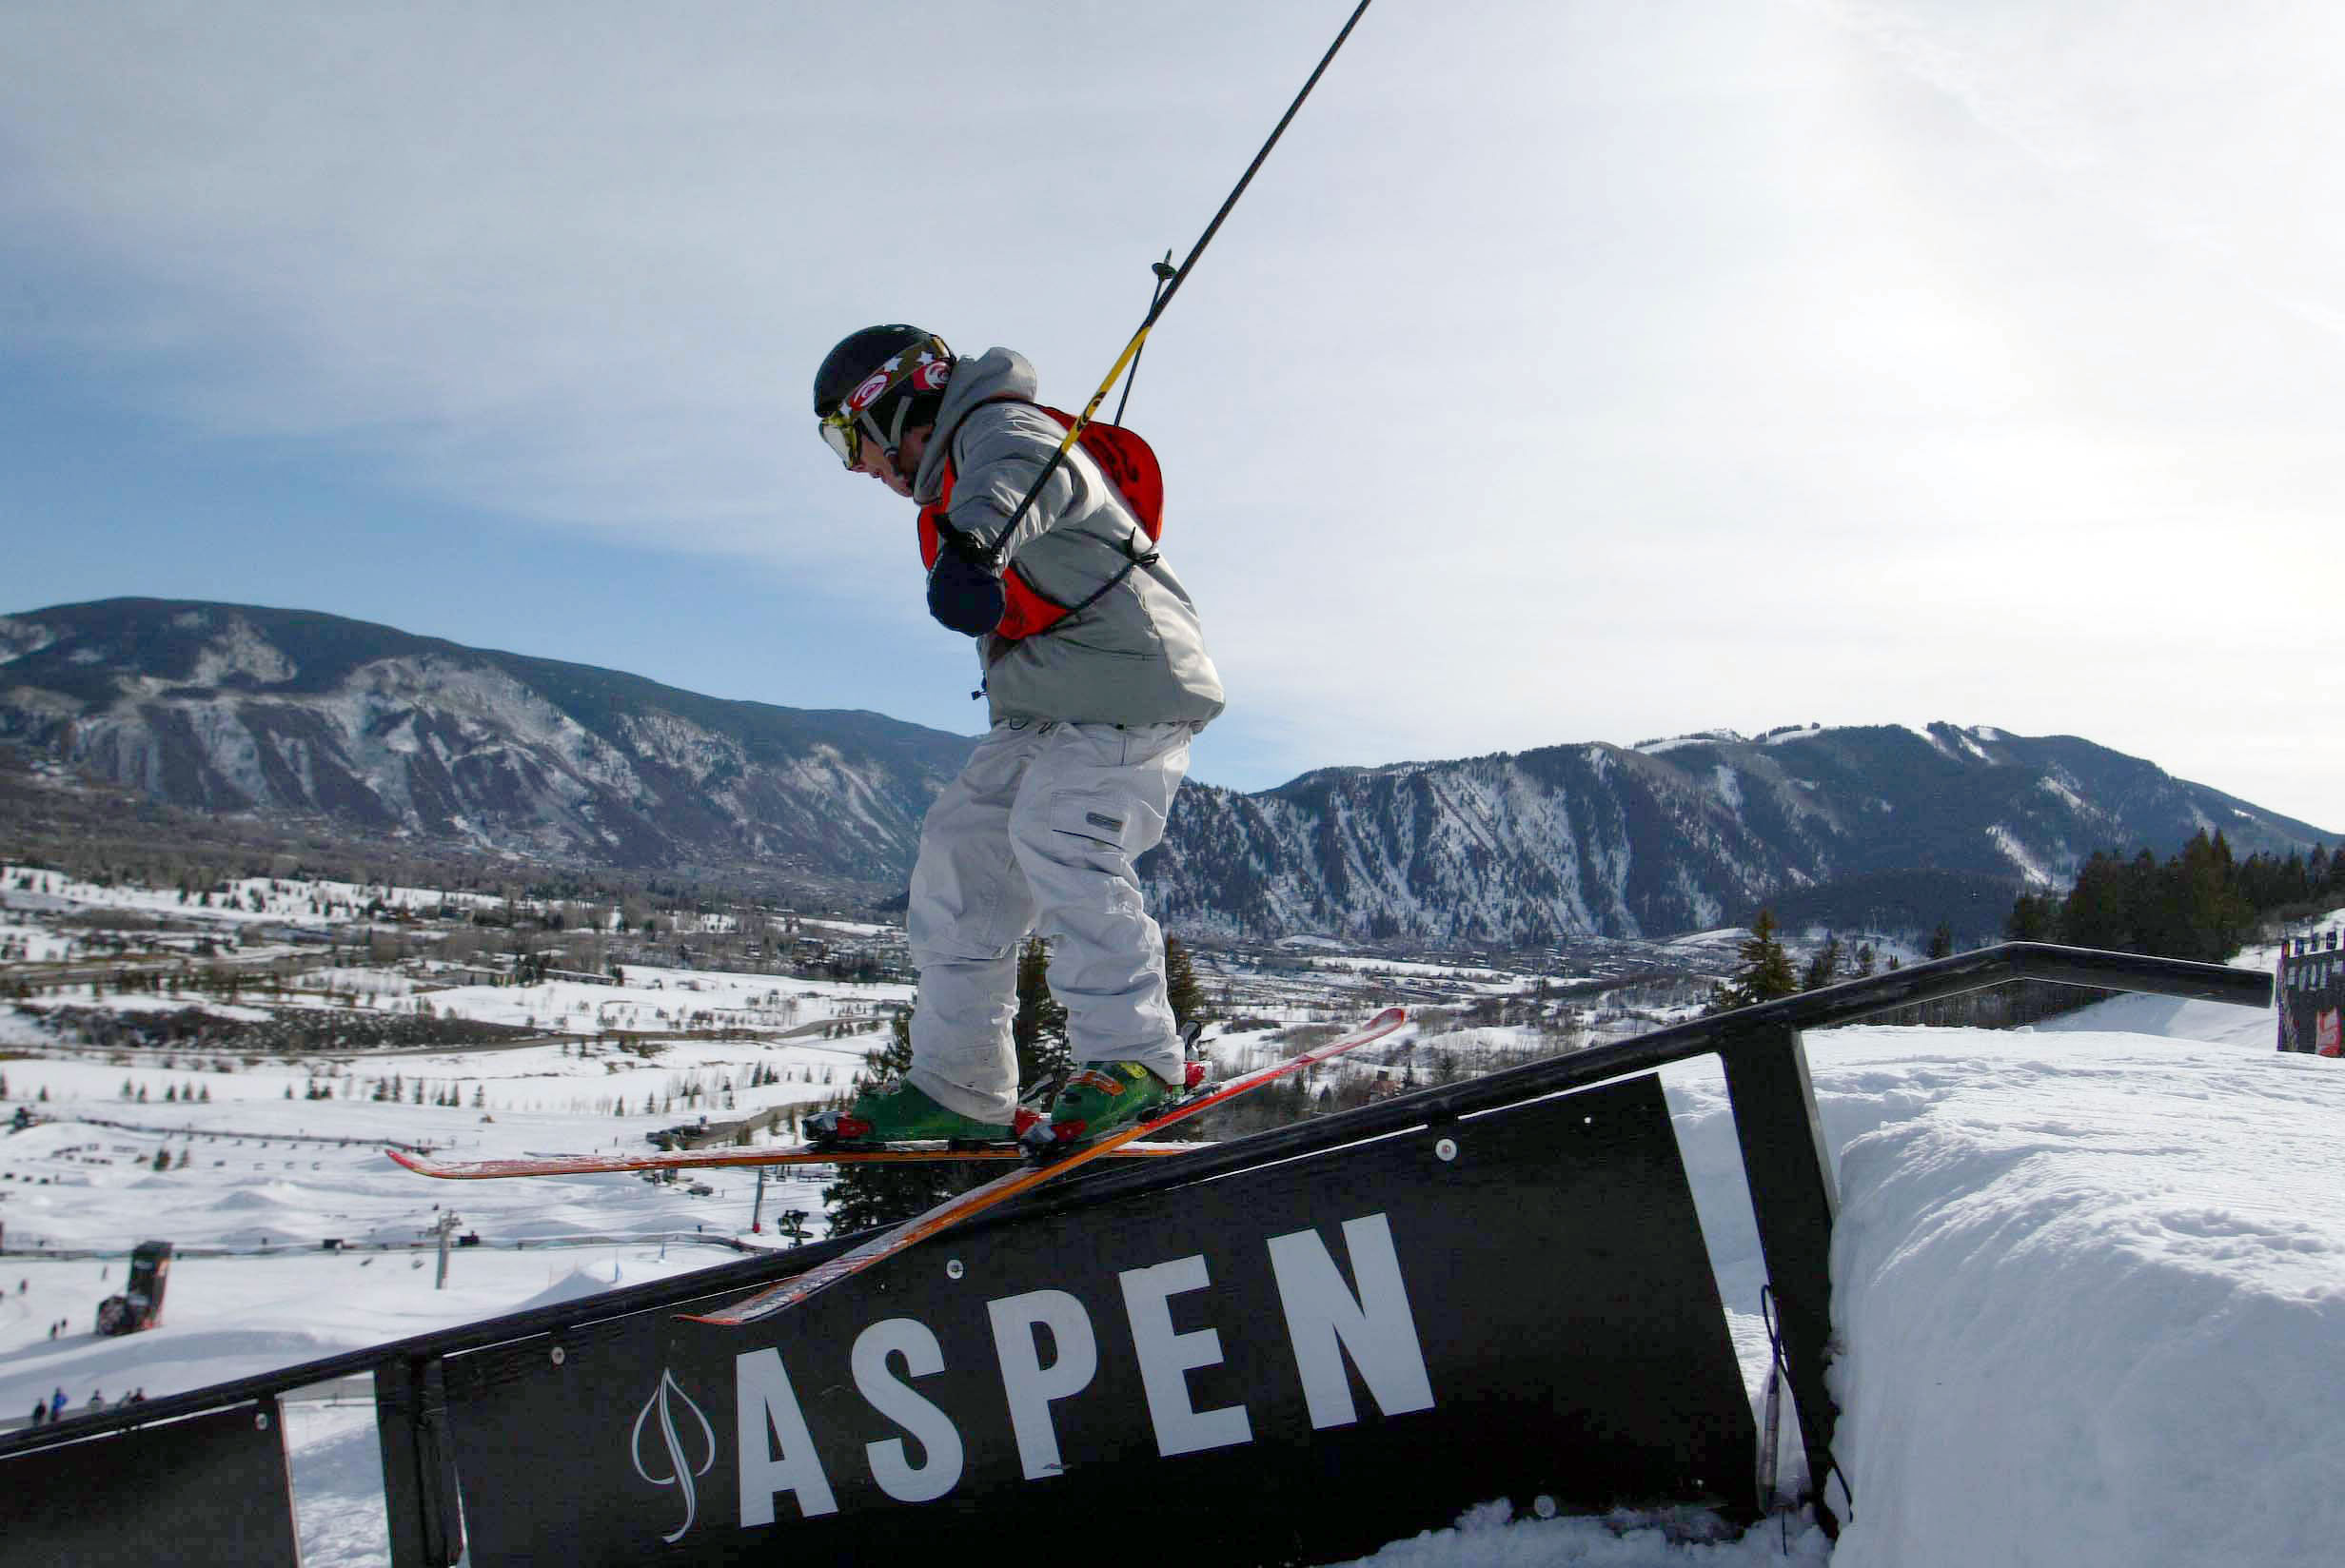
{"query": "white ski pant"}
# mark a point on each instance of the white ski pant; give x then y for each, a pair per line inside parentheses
(1039, 833)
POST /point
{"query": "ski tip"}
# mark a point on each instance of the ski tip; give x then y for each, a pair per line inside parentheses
(401, 1157)
(748, 1309)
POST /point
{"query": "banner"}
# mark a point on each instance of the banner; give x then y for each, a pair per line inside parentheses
(1293, 1363)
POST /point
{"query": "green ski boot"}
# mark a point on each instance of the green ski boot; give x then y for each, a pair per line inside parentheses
(899, 1113)
(1101, 1097)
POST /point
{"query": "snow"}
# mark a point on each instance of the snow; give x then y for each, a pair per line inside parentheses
(2015, 852)
(1700, 737)
(2089, 1278)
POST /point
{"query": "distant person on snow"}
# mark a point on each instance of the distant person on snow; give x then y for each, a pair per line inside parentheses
(1096, 677)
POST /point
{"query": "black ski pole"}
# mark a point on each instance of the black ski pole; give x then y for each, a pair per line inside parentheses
(1165, 272)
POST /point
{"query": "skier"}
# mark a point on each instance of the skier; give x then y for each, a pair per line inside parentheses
(1096, 677)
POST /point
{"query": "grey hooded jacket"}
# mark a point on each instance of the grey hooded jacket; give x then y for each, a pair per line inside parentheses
(1135, 655)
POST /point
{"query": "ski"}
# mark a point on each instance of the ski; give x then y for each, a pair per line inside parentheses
(886, 1245)
(704, 1159)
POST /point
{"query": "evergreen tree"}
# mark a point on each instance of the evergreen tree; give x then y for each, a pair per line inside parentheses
(1180, 984)
(1039, 1028)
(1941, 941)
(1823, 968)
(2094, 914)
(2035, 917)
(1765, 973)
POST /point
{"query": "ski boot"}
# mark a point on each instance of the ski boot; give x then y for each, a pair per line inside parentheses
(899, 1113)
(1103, 1096)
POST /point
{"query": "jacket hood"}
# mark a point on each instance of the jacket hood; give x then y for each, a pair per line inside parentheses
(977, 379)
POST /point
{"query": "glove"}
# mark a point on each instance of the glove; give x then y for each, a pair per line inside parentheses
(963, 595)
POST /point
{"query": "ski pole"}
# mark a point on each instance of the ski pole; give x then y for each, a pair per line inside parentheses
(1164, 272)
(1173, 286)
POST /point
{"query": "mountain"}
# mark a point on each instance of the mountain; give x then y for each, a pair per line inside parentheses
(286, 713)
(1879, 827)
(236, 708)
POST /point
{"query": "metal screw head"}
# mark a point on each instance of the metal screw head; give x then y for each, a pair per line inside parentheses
(953, 1271)
(1446, 1149)
(260, 1422)
(560, 1355)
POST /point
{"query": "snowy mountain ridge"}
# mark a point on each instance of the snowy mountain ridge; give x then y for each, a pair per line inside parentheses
(1884, 827)
(242, 708)
(293, 713)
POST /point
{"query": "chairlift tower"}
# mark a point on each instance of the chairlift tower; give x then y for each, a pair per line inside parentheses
(445, 1229)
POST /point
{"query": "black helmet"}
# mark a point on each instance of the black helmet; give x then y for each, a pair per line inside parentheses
(877, 383)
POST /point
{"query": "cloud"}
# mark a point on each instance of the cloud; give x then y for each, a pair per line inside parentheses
(1569, 372)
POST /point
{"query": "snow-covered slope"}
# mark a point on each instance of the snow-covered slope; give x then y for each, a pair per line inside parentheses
(291, 714)
(1874, 827)
(2090, 1281)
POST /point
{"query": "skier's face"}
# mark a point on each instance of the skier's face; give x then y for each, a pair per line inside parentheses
(896, 473)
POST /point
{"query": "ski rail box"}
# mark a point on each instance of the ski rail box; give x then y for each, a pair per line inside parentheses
(206, 1489)
(1296, 1361)
(2312, 996)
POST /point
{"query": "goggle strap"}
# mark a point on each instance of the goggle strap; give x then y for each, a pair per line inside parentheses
(895, 428)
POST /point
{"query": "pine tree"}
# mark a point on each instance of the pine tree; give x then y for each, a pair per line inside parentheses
(2035, 917)
(1824, 967)
(1180, 985)
(1038, 1030)
(1765, 973)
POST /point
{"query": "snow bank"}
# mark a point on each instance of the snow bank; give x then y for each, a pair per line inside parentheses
(2093, 1294)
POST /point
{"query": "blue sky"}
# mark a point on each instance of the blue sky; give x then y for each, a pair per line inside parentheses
(1572, 372)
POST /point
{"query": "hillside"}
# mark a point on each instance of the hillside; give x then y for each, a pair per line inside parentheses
(1881, 828)
(287, 715)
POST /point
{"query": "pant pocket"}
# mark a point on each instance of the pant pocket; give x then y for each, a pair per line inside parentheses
(1108, 818)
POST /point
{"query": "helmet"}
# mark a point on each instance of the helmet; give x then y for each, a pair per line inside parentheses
(877, 383)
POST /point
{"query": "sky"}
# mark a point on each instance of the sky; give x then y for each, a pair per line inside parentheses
(1599, 370)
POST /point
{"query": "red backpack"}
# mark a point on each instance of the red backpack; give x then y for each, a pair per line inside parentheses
(1129, 465)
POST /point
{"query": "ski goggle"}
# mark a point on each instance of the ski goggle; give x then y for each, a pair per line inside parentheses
(840, 434)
